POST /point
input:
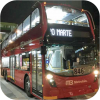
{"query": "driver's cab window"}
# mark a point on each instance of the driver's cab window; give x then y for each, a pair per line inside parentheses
(54, 59)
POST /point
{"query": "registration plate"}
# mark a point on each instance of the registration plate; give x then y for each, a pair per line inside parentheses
(78, 71)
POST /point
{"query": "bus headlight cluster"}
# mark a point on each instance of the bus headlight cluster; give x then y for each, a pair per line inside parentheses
(96, 72)
(51, 80)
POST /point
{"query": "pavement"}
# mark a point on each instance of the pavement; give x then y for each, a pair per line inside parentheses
(14, 92)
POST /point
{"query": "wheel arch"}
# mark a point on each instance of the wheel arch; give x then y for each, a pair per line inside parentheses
(25, 78)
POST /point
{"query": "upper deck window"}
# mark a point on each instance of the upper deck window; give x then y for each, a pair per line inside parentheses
(19, 30)
(26, 24)
(35, 18)
(14, 36)
(9, 38)
(65, 15)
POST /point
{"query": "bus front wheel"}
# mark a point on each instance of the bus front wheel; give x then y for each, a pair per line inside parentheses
(27, 86)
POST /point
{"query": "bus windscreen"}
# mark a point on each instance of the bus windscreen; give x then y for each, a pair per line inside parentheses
(70, 60)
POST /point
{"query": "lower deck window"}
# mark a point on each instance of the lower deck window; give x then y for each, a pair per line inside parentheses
(24, 61)
(5, 61)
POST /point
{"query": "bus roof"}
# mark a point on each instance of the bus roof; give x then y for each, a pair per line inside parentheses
(73, 3)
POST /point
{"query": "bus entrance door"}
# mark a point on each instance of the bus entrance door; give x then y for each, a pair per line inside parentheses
(37, 72)
(12, 70)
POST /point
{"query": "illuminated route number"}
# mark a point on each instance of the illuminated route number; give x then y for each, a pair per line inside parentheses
(78, 71)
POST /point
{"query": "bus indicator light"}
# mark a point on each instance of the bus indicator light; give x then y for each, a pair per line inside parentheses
(44, 3)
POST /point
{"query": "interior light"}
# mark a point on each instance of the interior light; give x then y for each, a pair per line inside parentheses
(55, 13)
(38, 51)
(18, 31)
(22, 48)
(10, 41)
(47, 40)
(85, 47)
(50, 52)
(2, 32)
(51, 21)
(82, 19)
(78, 60)
(33, 52)
(17, 55)
(31, 44)
(23, 53)
(82, 48)
(29, 52)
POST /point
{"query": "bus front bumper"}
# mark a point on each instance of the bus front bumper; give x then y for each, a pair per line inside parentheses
(59, 93)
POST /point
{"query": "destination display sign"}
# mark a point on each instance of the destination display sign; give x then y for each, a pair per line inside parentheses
(68, 33)
(61, 32)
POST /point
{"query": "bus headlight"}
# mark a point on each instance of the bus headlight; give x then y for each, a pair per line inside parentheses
(49, 76)
(51, 80)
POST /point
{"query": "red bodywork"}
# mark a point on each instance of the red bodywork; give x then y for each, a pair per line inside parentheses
(65, 89)
(62, 90)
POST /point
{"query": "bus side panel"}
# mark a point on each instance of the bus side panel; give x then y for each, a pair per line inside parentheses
(8, 74)
(19, 77)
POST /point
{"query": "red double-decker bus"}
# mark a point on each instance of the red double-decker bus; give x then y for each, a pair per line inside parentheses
(51, 53)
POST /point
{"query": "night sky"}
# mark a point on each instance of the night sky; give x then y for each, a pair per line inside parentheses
(17, 11)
